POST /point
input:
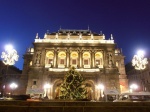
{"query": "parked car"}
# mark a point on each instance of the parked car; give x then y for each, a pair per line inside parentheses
(2, 98)
(134, 97)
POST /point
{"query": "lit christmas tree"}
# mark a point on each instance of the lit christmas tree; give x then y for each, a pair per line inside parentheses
(73, 87)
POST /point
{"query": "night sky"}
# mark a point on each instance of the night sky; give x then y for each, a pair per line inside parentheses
(127, 20)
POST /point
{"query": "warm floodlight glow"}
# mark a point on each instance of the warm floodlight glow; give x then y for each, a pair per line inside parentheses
(100, 86)
(138, 61)
(13, 85)
(133, 87)
(9, 55)
(46, 86)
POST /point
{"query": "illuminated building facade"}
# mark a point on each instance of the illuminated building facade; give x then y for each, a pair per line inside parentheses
(97, 59)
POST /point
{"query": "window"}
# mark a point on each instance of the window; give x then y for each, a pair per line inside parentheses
(62, 61)
(49, 58)
(85, 62)
(30, 63)
(74, 57)
(74, 61)
(50, 61)
(34, 82)
(97, 62)
(117, 64)
(98, 58)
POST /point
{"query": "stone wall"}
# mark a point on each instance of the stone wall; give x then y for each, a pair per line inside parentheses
(67, 106)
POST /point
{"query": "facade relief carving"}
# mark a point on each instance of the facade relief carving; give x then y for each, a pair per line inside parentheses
(110, 59)
(38, 57)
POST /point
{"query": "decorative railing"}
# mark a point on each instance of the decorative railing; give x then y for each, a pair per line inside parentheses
(72, 41)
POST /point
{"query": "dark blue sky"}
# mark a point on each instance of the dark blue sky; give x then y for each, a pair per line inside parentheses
(127, 20)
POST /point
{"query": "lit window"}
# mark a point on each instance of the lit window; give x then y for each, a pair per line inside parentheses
(74, 61)
(62, 61)
(50, 61)
(85, 62)
(97, 62)
(30, 63)
(117, 64)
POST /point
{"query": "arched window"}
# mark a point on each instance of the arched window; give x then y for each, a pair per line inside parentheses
(86, 59)
(99, 59)
(61, 59)
(117, 64)
(30, 63)
(74, 59)
(49, 59)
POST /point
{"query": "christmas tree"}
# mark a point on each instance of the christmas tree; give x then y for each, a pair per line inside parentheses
(73, 87)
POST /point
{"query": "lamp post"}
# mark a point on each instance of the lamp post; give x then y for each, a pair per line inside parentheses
(46, 87)
(100, 87)
(9, 57)
(139, 62)
(133, 87)
(13, 86)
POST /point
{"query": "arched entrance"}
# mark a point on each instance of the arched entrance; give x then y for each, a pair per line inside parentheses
(90, 89)
(56, 88)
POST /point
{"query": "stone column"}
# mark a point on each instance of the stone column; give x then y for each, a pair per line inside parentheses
(68, 58)
(106, 58)
(55, 58)
(43, 58)
(80, 58)
(38, 57)
(93, 59)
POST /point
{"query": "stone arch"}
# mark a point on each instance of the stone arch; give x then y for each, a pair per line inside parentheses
(49, 58)
(90, 87)
(86, 55)
(86, 59)
(56, 88)
(74, 59)
(99, 59)
(61, 59)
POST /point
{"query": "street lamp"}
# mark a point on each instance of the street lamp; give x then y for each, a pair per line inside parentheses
(139, 62)
(9, 57)
(133, 87)
(100, 87)
(46, 87)
(13, 86)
